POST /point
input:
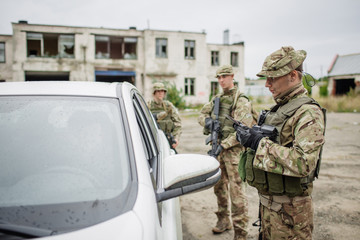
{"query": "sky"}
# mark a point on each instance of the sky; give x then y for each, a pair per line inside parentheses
(323, 28)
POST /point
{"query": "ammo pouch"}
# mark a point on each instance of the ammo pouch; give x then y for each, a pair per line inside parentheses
(166, 125)
(268, 183)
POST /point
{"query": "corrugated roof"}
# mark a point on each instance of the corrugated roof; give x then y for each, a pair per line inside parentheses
(346, 65)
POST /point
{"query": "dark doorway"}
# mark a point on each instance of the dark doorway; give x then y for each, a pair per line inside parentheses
(47, 76)
(343, 86)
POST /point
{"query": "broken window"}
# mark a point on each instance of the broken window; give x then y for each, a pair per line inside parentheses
(34, 44)
(234, 59)
(66, 45)
(161, 47)
(214, 58)
(50, 45)
(111, 47)
(130, 47)
(189, 86)
(189, 49)
(102, 47)
(2, 52)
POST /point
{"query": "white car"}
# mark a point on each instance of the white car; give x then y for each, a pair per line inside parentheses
(86, 160)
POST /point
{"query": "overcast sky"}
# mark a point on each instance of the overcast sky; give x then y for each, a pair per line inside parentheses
(323, 28)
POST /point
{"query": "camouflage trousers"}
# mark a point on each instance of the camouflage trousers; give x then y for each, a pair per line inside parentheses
(293, 221)
(230, 185)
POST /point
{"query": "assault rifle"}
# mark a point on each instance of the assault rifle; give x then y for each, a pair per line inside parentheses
(171, 141)
(215, 131)
(264, 129)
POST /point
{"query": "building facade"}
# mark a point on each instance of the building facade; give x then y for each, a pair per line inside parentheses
(344, 74)
(65, 53)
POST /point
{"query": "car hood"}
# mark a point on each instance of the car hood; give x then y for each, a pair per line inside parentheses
(126, 226)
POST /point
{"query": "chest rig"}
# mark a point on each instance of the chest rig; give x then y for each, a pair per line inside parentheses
(165, 124)
(269, 183)
(226, 107)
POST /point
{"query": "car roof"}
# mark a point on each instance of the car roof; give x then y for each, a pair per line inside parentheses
(70, 88)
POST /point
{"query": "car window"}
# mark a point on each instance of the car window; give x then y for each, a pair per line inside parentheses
(61, 154)
(147, 129)
(148, 115)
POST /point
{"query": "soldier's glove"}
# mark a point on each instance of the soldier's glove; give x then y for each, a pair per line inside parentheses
(208, 123)
(248, 137)
(155, 116)
(217, 152)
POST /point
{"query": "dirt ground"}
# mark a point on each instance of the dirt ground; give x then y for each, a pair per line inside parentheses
(336, 193)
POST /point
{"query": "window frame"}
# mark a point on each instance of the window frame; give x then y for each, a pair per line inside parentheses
(189, 47)
(149, 135)
(3, 52)
(234, 59)
(215, 58)
(115, 47)
(54, 42)
(160, 43)
(189, 86)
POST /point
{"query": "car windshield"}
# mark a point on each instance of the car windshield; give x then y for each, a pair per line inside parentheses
(61, 152)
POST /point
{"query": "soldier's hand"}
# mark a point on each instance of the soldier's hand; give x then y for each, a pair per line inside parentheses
(176, 143)
(248, 137)
(208, 123)
(161, 115)
(155, 116)
(217, 152)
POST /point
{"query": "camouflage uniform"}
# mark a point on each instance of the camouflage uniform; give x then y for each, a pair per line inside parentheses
(167, 115)
(289, 164)
(230, 182)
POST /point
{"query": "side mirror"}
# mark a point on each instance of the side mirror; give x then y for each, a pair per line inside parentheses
(186, 173)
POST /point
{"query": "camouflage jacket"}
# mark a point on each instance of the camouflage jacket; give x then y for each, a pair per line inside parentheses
(241, 111)
(168, 111)
(305, 130)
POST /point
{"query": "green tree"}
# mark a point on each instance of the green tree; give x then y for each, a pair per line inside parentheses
(324, 82)
(175, 96)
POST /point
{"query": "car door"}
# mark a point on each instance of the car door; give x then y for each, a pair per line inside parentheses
(157, 149)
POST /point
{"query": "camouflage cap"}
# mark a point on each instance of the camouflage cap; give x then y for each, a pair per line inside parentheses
(158, 87)
(282, 62)
(224, 70)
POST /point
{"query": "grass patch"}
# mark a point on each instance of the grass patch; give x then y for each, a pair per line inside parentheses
(340, 103)
(345, 103)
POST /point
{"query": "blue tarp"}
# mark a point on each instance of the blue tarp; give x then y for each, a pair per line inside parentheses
(115, 73)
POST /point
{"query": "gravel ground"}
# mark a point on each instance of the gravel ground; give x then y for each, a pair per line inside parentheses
(336, 193)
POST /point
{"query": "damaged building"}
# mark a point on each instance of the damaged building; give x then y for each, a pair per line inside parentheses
(37, 52)
(344, 74)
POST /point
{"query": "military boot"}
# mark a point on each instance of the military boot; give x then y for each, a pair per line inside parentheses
(223, 224)
(239, 234)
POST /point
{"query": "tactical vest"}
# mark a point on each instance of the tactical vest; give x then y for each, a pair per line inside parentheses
(165, 124)
(268, 183)
(226, 125)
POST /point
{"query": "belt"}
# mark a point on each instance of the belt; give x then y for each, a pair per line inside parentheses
(275, 202)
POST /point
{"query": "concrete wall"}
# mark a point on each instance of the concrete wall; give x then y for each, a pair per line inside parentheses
(147, 67)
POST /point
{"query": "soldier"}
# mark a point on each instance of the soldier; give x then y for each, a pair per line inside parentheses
(237, 105)
(283, 170)
(165, 114)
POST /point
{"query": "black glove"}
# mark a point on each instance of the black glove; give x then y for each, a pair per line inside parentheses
(248, 137)
(217, 152)
(155, 116)
(208, 123)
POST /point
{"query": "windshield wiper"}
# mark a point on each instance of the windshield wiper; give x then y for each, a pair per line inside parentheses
(24, 231)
